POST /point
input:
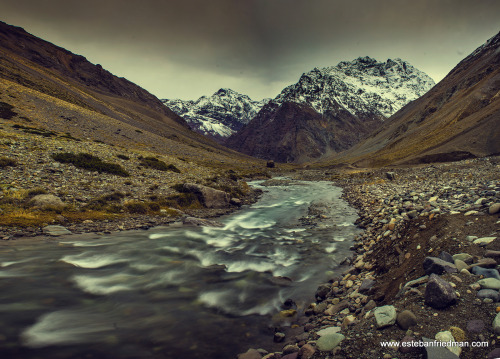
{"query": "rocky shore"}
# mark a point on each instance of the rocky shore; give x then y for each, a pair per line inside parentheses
(39, 195)
(423, 270)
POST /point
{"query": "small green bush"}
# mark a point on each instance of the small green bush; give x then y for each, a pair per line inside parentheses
(6, 162)
(155, 163)
(90, 162)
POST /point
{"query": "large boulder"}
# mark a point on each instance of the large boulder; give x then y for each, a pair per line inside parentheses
(47, 201)
(439, 293)
(209, 197)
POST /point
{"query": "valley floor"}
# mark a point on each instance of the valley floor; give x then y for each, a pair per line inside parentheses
(388, 294)
(448, 211)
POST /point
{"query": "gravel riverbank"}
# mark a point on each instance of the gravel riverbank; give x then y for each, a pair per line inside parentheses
(424, 269)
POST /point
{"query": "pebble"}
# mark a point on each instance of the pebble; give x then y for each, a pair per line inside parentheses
(55, 231)
(486, 272)
(460, 265)
(489, 283)
(250, 354)
(447, 337)
(496, 324)
(329, 342)
(406, 319)
(306, 351)
(467, 258)
(438, 266)
(327, 331)
(484, 240)
(494, 208)
(492, 294)
(385, 316)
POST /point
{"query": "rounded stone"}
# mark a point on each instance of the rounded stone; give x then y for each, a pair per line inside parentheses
(385, 316)
(329, 342)
(406, 319)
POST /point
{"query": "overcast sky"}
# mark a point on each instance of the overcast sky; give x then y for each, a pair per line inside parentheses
(189, 48)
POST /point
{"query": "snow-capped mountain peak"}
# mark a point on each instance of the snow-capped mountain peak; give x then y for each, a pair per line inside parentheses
(360, 86)
(218, 115)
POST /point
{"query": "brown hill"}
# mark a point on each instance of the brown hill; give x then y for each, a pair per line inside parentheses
(50, 88)
(459, 118)
(293, 132)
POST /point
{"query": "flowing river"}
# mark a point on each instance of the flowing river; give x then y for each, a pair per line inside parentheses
(177, 291)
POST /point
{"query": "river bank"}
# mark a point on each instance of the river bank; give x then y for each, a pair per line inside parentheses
(423, 269)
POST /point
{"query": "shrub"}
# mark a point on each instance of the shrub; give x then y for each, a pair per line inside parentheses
(136, 207)
(90, 162)
(183, 200)
(155, 163)
(6, 162)
(6, 111)
(103, 201)
(35, 192)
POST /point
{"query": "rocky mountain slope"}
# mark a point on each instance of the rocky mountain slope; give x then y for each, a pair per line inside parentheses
(219, 115)
(50, 88)
(330, 109)
(458, 118)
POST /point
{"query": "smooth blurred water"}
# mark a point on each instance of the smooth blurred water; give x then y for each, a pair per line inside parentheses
(171, 292)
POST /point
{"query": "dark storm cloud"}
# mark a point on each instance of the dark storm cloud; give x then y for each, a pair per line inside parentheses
(183, 48)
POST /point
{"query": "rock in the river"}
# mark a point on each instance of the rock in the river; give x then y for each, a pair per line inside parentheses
(385, 316)
(439, 293)
(250, 354)
(55, 231)
(201, 222)
(438, 266)
(406, 319)
(329, 342)
(210, 197)
(279, 337)
(323, 291)
(47, 201)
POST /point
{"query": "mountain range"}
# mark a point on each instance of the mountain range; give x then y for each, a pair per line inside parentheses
(332, 116)
(458, 118)
(219, 115)
(330, 109)
(51, 89)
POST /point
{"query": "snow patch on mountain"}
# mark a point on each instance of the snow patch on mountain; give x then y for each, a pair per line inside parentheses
(219, 115)
(362, 86)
